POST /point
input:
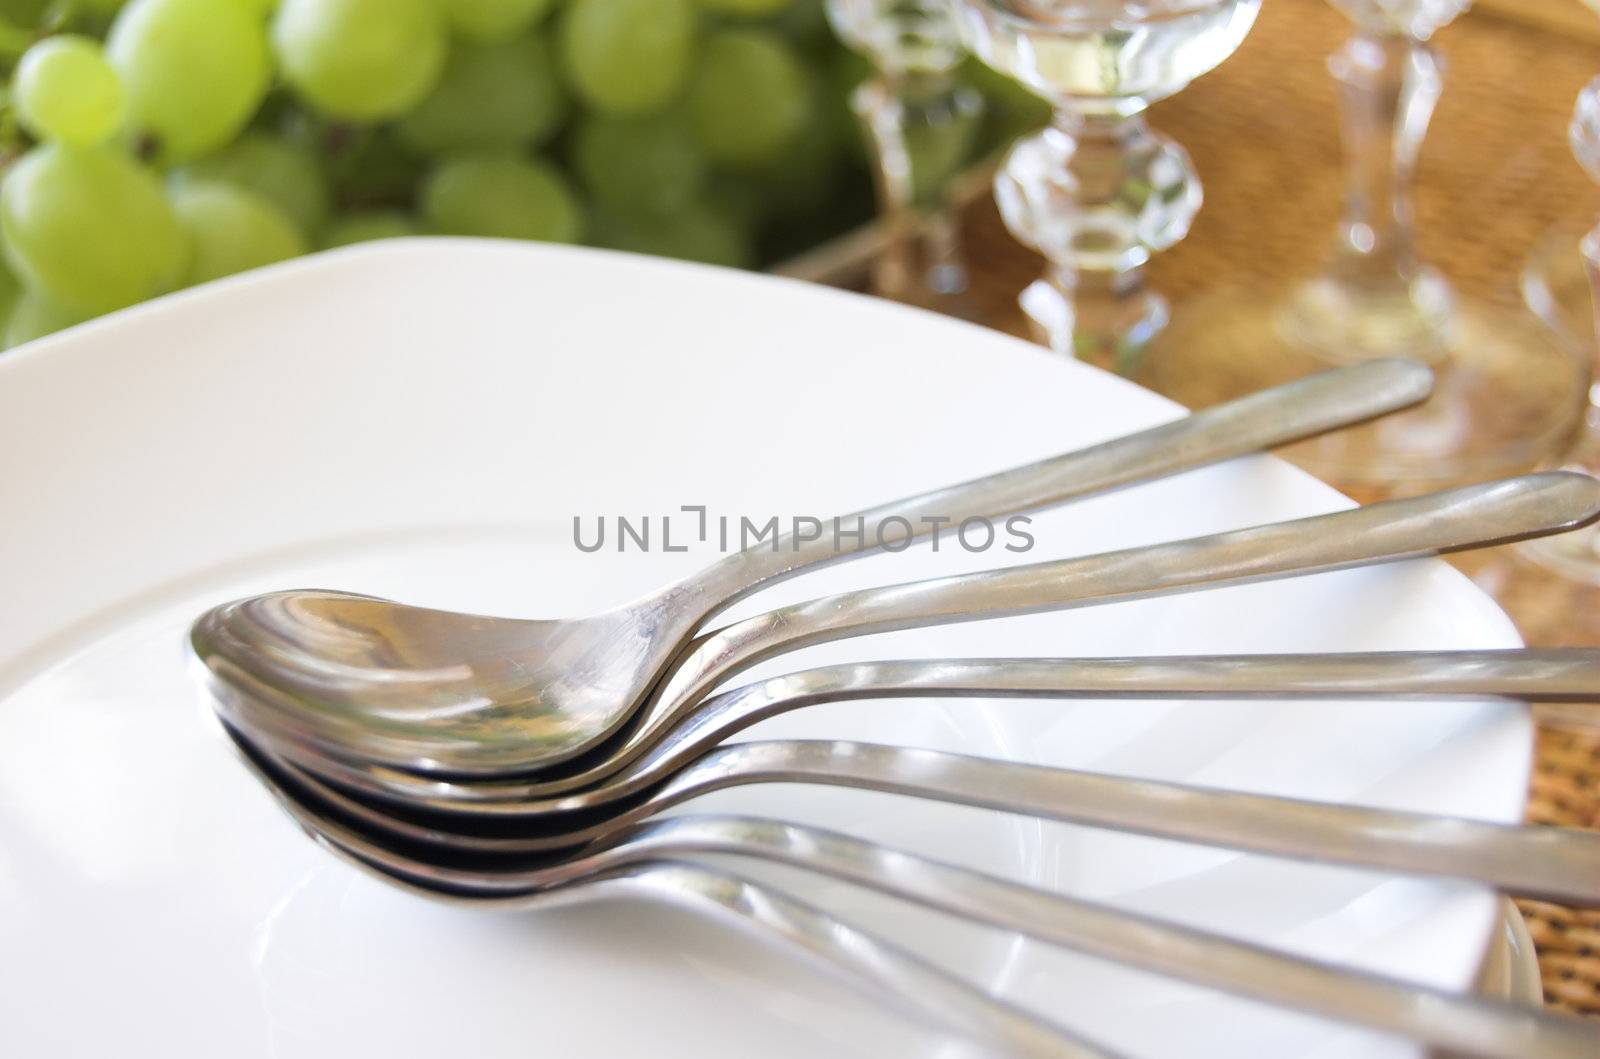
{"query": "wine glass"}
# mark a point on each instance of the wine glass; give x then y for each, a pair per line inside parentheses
(1555, 285)
(1376, 297)
(1555, 282)
(920, 124)
(1579, 557)
(1098, 191)
(1507, 390)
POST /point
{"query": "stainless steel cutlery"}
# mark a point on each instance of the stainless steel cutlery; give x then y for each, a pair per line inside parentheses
(564, 686)
(499, 761)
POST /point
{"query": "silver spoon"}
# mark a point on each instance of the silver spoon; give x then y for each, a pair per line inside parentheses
(544, 691)
(897, 977)
(1462, 1024)
(1544, 863)
(1566, 675)
(387, 734)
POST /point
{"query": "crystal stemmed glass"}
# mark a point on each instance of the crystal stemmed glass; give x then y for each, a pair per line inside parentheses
(1376, 296)
(920, 124)
(1098, 191)
(1507, 390)
(1579, 557)
(1555, 282)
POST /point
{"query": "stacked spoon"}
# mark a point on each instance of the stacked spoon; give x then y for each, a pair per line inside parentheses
(497, 760)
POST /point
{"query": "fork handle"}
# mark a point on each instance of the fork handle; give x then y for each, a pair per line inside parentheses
(1300, 409)
(1547, 863)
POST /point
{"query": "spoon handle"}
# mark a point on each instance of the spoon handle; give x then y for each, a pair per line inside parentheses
(1555, 674)
(899, 978)
(1544, 674)
(895, 975)
(1304, 408)
(1546, 863)
(1473, 516)
(1460, 1023)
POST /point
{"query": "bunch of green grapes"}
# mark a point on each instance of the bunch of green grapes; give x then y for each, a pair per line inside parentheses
(148, 145)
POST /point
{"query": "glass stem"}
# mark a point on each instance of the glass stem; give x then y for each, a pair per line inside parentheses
(1389, 86)
(1098, 193)
(1376, 298)
(1584, 135)
(919, 127)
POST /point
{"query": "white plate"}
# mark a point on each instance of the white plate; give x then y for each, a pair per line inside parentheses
(423, 420)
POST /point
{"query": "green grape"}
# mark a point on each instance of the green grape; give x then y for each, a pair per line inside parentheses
(738, 198)
(628, 56)
(232, 229)
(746, 8)
(284, 173)
(801, 182)
(493, 21)
(696, 232)
(503, 197)
(642, 164)
(360, 60)
(34, 315)
(750, 97)
(90, 227)
(804, 23)
(10, 294)
(194, 71)
(64, 90)
(365, 227)
(844, 74)
(23, 13)
(493, 95)
(374, 170)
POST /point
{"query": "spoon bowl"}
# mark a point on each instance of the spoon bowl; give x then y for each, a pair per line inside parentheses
(484, 689)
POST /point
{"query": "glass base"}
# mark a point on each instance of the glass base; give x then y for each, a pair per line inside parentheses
(1507, 394)
(1340, 323)
(1556, 285)
(943, 289)
(1575, 556)
(1089, 320)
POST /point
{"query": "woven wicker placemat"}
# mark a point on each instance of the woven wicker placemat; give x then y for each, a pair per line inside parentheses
(1566, 791)
(1494, 178)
